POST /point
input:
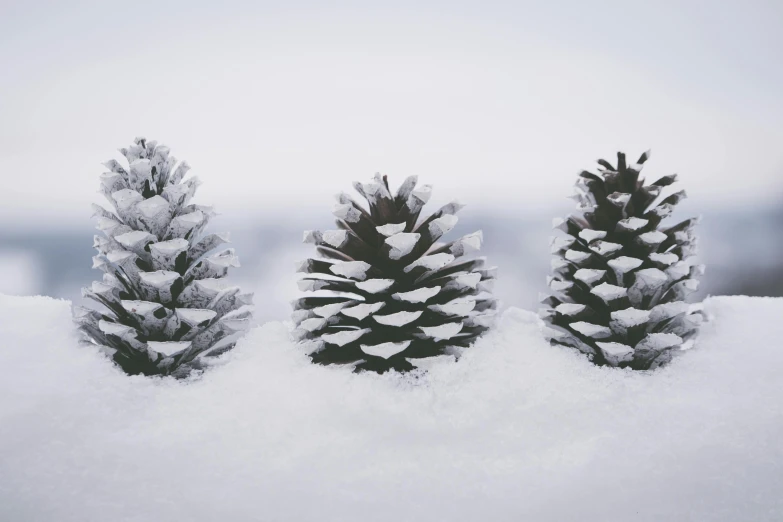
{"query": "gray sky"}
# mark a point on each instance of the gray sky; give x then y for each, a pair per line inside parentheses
(280, 105)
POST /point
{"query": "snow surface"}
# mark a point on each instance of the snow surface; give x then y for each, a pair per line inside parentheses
(515, 431)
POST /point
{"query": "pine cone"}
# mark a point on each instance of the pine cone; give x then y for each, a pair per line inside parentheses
(164, 289)
(620, 279)
(389, 292)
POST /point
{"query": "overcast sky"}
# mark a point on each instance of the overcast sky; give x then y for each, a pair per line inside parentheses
(280, 105)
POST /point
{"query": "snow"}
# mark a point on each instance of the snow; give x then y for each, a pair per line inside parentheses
(385, 350)
(647, 281)
(667, 310)
(120, 330)
(678, 270)
(335, 238)
(556, 263)
(141, 308)
(158, 279)
(361, 311)
(559, 243)
(169, 347)
(226, 258)
(344, 337)
(466, 280)
(117, 256)
(591, 235)
(592, 330)
(630, 317)
(154, 206)
(402, 244)
(351, 269)
(631, 224)
(108, 225)
(589, 275)
(665, 259)
(662, 211)
(577, 256)
(195, 316)
(131, 240)
(126, 198)
(312, 324)
(460, 306)
(420, 295)
(615, 353)
(467, 244)
(651, 277)
(604, 248)
(373, 286)
(370, 189)
(347, 212)
(443, 225)
(423, 193)
(327, 311)
(559, 286)
(609, 292)
(655, 237)
(431, 262)
(398, 319)
(516, 430)
(169, 249)
(312, 236)
(391, 229)
(624, 264)
(659, 341)
(619, 199)
(443, 331)
(570, 308)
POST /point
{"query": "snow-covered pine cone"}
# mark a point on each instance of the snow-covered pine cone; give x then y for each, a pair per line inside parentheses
(163, 285)
(388, 292)
(620, 280)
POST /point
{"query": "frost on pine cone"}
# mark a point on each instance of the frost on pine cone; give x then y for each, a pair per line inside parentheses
(620, 279)
(386, 290)
(168, 304)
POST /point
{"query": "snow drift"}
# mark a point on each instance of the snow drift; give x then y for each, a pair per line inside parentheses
(516, 430)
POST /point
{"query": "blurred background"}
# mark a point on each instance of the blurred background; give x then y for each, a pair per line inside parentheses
(278, 106)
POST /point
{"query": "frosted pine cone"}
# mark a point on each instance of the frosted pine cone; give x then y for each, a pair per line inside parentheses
(387, 292)
(168, 304)
(620, 280)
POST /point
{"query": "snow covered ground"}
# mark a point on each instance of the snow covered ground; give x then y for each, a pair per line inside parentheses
(516, 431)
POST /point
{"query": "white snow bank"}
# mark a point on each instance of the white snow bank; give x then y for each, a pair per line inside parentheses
(515, 431)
